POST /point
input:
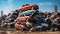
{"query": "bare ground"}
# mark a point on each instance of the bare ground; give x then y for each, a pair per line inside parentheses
(13, 31)
(18, 32)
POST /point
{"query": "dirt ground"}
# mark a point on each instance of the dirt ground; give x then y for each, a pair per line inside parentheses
(18, 32)
(13, 31)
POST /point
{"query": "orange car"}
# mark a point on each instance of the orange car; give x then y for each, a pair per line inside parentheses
(23, 18)
(28, 7)
(25, 8)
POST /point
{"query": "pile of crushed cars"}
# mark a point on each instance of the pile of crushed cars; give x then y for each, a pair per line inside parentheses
(26, 18)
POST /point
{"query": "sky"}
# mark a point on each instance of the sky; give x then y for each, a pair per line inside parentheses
(44, 5)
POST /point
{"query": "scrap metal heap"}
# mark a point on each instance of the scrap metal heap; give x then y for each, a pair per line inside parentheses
(26, 18)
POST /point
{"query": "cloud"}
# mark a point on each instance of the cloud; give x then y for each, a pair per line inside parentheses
(8, 7)
(46, 3)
